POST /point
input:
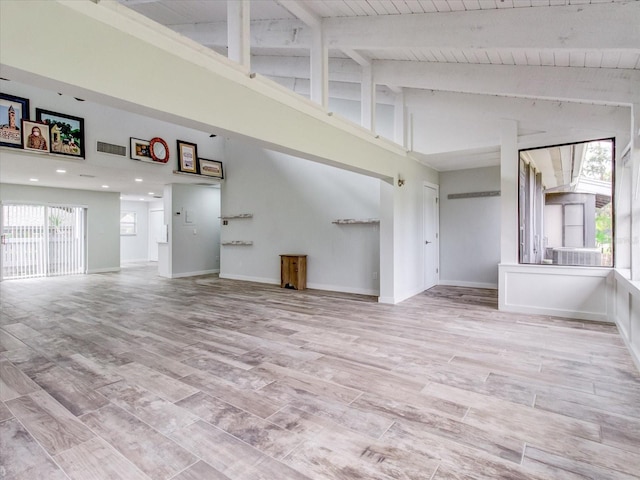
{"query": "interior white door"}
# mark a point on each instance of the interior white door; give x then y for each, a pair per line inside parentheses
(156, 222)
(431, 249)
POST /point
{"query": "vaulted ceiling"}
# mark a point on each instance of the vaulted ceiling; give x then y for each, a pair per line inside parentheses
(554, 50)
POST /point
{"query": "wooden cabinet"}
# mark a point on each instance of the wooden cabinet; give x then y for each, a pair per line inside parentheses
(293, 271)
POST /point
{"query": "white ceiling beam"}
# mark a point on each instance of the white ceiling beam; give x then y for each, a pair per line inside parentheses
(368, 99)
(566, 28)
(597, 85)
(359, 58)
(238, 32)
(319, 53)
(301, 11)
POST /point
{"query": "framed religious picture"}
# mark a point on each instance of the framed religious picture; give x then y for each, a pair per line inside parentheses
(35, 136)
(66, 132)
(187, 157)
(12, 111)
(210, 168)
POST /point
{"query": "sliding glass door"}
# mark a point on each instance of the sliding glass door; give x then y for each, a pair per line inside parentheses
(42, 240)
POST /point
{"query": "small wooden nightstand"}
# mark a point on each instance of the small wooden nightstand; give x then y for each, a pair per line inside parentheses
(293, 271)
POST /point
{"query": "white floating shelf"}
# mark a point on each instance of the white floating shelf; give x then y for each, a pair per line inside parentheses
(355, 221)
(241, 215)
(243, 243)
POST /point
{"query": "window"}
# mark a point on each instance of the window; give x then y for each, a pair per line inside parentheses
(127, 223)
(565, 196)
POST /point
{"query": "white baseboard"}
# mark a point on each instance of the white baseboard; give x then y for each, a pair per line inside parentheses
(194, 274)
(104, 270)
(457, 283)
(554, 312)
(246, 278)
(316, 286)
(336, 288)
(401, 297)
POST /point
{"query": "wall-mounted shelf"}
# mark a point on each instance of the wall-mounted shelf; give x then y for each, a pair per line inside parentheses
(240, 243)
(356, 221)
(233, 217)
(206, 178)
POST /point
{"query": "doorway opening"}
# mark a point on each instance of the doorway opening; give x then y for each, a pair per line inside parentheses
(43, 241)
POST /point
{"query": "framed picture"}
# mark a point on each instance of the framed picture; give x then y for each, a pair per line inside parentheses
(210, 168)
(140, 150)
(35, 136)
(12, 111)
(187, 157)
(66, 132)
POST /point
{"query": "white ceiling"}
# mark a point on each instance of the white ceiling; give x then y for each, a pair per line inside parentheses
(430, 49)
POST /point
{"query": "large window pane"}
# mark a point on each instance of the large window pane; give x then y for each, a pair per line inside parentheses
(566, 199)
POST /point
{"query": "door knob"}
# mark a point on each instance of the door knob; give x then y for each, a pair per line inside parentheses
(427, 242)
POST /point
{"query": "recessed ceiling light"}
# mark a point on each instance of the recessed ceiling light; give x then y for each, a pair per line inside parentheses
(105, 186)
(33, 179)
(150, 193)
(142, 199)
(61, 171)
(138, 179)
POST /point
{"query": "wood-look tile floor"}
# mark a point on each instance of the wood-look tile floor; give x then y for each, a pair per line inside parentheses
(132, 376)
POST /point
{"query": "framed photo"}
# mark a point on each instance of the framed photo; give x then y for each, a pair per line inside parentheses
(35, 136)
(187, 157)
(210, 168)
(140, 150)
(66, 132)
(12, 111)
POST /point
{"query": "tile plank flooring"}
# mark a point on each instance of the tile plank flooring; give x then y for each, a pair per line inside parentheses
(131, 376)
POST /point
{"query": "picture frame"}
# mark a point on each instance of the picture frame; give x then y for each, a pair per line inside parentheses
(210, 168)
(140, 150)
(66, 132)
(35, 141)
(12, 111)
(187, 157)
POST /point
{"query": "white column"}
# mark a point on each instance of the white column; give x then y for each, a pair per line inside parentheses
(368, 98)
(509, 191)
(387, 250)
(399, 131)
(635, 192)
(319, 68)
(238, 32)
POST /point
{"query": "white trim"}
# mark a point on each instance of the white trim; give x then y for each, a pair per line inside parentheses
(194, 274)
(457, 283)
(597, 317)
(103, 270)
(336, 288)
(402, 297)
(246, 278)
(316, 286)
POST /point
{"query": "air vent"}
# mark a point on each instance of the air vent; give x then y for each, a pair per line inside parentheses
(112, 149)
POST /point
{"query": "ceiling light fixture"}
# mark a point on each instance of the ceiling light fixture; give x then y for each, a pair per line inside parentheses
(61, 171)
(33, 179)
(105, 186)
(150, 193)
(138, 179)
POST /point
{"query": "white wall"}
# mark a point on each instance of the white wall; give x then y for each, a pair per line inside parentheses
(470, 228)
(293, 202)
(135, 248)
(192, 212)
(624, 309)
(103, 218)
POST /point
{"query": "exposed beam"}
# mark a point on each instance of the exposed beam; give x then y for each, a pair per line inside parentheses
(238, 32)
(359, 58)
(399, 115)
(301, 11)
(368, 99)
(566, 28)
(597, 85)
